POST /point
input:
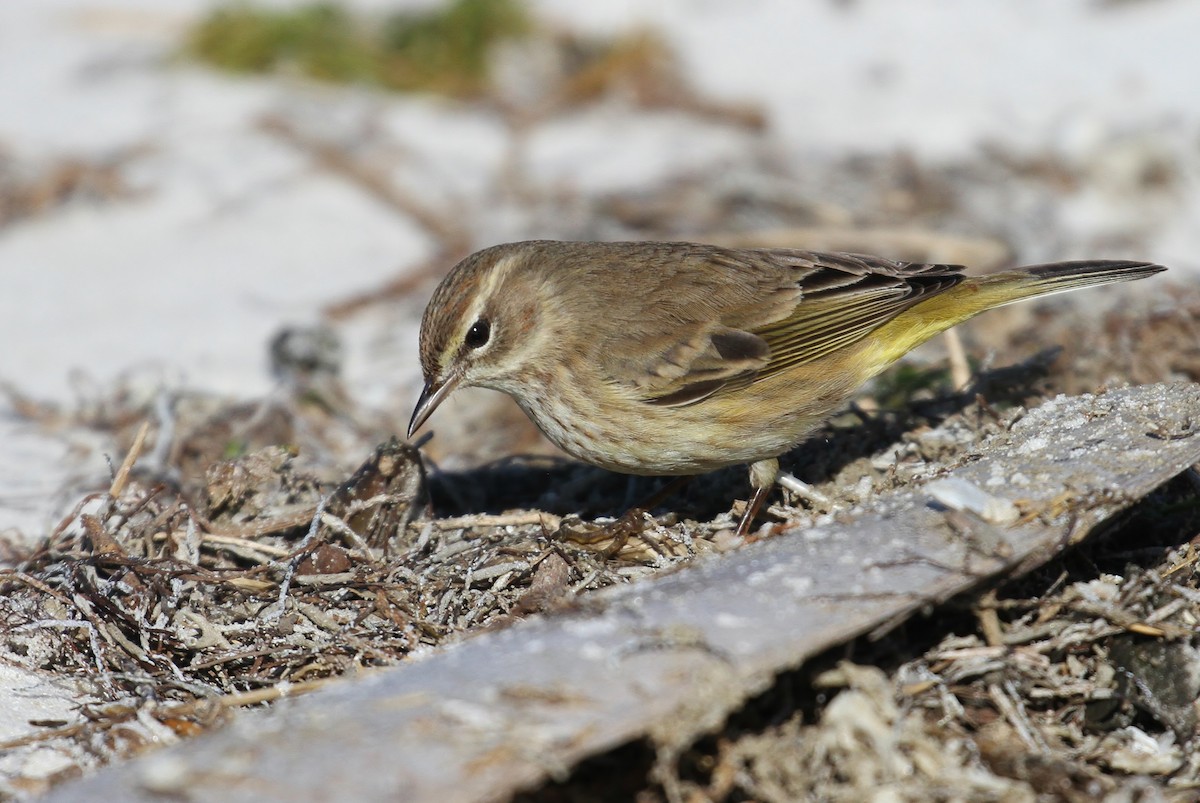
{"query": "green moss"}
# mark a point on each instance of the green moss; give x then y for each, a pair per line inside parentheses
(443, 50)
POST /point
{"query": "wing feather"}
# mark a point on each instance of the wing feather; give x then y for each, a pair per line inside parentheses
(836, 312)
(724, 319)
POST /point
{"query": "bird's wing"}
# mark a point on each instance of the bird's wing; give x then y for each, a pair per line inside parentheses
(846, 298)
(805, 305)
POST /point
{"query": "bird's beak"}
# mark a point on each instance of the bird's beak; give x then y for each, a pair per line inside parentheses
(433, 395)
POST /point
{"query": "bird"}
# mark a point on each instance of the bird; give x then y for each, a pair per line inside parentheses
(677, 358)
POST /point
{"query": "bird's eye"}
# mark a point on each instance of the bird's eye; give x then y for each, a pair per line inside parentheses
(478, 334)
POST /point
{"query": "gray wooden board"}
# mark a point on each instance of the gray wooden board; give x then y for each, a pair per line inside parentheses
(670, 657)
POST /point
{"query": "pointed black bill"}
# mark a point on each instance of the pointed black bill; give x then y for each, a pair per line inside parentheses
(431, 396)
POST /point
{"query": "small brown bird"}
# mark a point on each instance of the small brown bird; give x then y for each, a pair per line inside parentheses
(678, 358)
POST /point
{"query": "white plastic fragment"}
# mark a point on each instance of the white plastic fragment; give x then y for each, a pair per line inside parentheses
(956, 493)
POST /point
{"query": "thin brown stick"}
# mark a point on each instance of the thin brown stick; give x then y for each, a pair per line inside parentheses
(135, 451)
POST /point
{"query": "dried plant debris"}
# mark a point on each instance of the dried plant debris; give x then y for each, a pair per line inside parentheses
(1100, 676)
(28, 190)
(174, 595)
(1149, 337)
(983, 212)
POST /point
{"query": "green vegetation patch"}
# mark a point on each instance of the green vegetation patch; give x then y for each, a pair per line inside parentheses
(440, 50)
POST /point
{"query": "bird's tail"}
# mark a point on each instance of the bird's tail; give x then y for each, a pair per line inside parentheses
(979, 294)
(1059, 277)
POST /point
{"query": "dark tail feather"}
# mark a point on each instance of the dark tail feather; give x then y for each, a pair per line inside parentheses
(1059, 276)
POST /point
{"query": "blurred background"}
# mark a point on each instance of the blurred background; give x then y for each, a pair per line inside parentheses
(181, 180)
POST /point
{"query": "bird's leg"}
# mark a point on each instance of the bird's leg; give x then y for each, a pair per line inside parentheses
(752, 508)
(762, 476)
